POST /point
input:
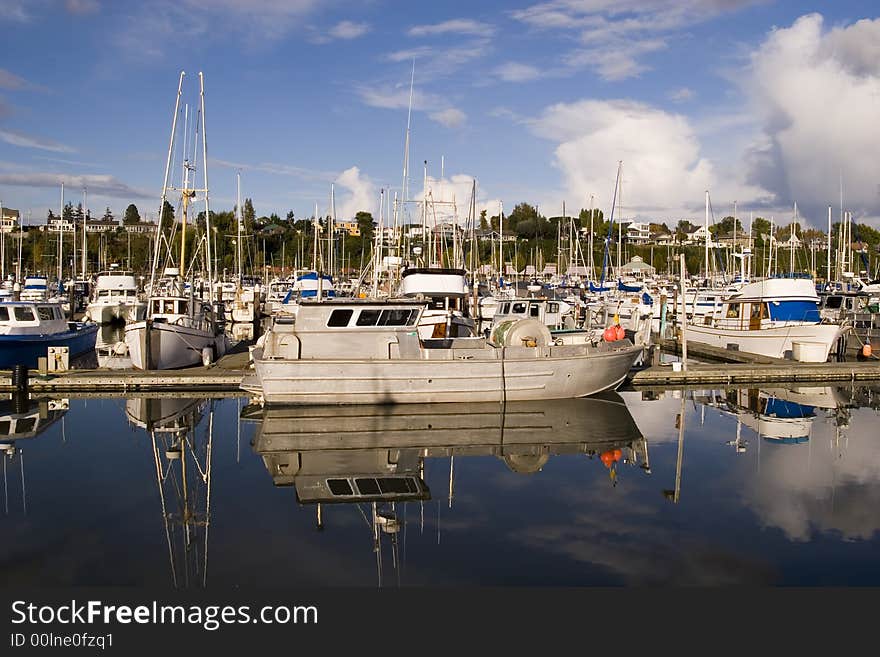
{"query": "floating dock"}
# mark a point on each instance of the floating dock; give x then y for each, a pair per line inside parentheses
(226, 375)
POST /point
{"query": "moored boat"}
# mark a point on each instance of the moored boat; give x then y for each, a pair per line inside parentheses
(29, 328)
(369, 352)
(777, 317)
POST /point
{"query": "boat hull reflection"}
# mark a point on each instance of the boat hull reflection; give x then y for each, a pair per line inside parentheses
(331, 453)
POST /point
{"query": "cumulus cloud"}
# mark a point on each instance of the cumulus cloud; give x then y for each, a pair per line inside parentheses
(359, 193)
(663, 166)
(815, 92)
(29, 141)
(450, 117)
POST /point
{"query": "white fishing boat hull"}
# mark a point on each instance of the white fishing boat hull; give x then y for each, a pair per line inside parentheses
(108, 313)
(769, 341)
(173, 346)
(446, 375)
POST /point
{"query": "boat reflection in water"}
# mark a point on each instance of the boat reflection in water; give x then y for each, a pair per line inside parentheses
(23, 418)
(375, 457)
(182, 458)
(777, 415)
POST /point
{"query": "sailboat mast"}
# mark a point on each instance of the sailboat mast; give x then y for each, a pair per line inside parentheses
(61, 235)
(404, 188)
(707, 236)
(238, 221)
(205, 178)
(165, 185)
(85, 226)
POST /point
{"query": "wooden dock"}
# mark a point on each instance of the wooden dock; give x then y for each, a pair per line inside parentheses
(224, 378)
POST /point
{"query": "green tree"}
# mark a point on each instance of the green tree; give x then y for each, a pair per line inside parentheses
(131, 216)
(365, 224)
(484, 224)
(247, 212)
(108, 215)
(167, 214)
(760, 227)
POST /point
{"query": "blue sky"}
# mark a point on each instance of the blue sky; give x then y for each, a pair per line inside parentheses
(763, 103)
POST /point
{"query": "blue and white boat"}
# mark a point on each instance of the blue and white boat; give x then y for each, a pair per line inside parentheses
(29, 328)
(35, 288)
(777, 317)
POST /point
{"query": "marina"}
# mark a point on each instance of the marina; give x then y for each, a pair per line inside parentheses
(436, 307)
(590, 491)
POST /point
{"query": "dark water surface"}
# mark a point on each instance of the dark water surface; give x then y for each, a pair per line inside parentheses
(768, 487)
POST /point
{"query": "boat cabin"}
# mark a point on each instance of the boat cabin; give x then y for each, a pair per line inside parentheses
(31, 318)
(553, 313)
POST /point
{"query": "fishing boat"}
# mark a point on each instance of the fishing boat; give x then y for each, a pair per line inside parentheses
(369, 352)
(115, 298)
(181, 329)
(777, 317)
(29, 328)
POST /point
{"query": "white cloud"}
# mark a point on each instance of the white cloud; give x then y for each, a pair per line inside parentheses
(359, 193)
(454, 26)
(662, 164)
(615, 34)
(450, 117)
(349, 30)
(816, 94)
(100, 184)
(29, 141)
(13, 10)
(10, 80)
(681, 95)
(81, 6)
(516, 72)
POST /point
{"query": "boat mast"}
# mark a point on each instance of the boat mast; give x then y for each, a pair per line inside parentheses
(85, 243)
(205, 177)
(592, 260)
(238, 218)
(61, 235)
(3, 243)
(707, 236)
(165, 185)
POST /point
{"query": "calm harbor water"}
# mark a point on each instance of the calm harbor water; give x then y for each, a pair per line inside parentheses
(768, 487)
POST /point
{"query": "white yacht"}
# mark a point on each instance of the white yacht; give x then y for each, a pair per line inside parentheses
(777, 317)
(115, 298)
(36, 288)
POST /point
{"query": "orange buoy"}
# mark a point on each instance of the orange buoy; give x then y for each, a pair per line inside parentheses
(617, 454)
(866, 350)
(609, 334)
(620, 332)
(607, 458)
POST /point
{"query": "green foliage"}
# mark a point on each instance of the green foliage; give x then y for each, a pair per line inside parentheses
(131, 216)
(365, 225)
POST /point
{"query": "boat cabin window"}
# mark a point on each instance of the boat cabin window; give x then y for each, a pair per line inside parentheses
(4, 314)
(339, 486)
(733, 311)
(182, 307)
(26, 425)
(552, 307)
(24, 314)
(833, 302)
(58, 313)
(756, 311)
(388, 317)
(505, 308)
(368, 317)
(396, 317)
(45, 313)
(5, 426)
(519, 308)
(534, 310)
(340, 317)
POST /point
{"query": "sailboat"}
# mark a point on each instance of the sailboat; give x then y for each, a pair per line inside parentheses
(181, 329)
